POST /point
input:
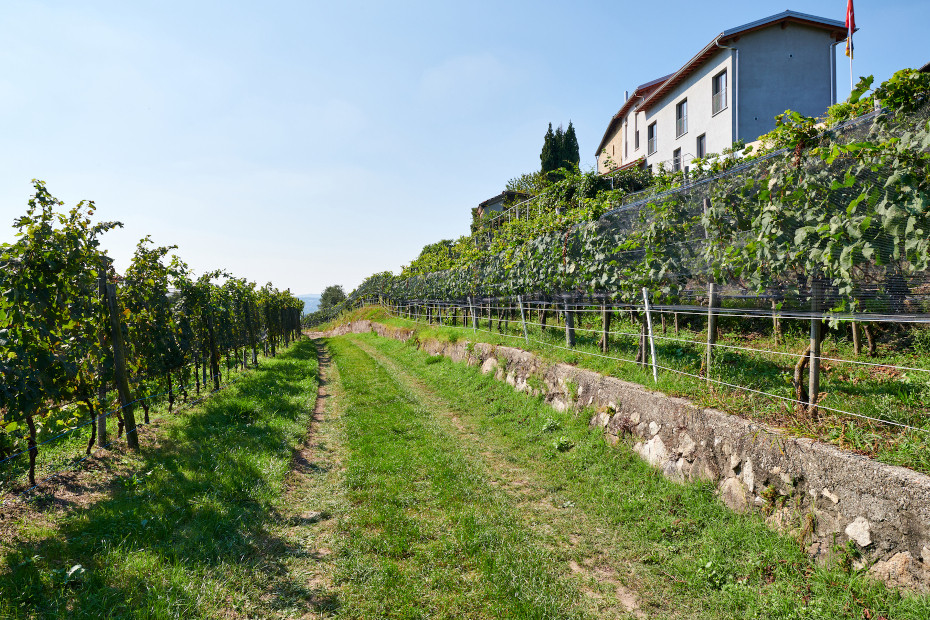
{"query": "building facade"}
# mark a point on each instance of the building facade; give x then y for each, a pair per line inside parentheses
(730, 90)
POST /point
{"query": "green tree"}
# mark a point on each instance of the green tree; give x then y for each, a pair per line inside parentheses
(549, 157)
(332, 297)
(568, 152)
(560, 150)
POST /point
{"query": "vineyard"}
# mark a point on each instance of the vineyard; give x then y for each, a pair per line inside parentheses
(822, 236)
(83, 347)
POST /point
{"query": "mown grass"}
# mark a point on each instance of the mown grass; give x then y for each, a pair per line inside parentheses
(189, 529)
(897, 396)
(695, 557)
(427, 536)
(63, 442)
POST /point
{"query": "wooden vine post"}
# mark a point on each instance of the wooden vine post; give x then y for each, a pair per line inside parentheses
(471, 311)
(569, 323)
(816, 323)
(526, 336)
(102, 380)
(605, 322)
(713, 301)
(119, 368)
(652, 341)
(214, 353)
(251, 329)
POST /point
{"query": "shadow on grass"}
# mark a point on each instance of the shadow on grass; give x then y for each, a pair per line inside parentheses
(188, 532)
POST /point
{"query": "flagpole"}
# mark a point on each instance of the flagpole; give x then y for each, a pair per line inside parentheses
(851, 85)
(850, 29)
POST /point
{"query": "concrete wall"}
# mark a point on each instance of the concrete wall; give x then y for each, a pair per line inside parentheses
(633, 116)
(697, 89)
(781, 69)
(819, 493)
(614, 148)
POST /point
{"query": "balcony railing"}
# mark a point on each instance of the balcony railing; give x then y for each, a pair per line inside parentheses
(719, 101)
(681, 126)
(652, 146)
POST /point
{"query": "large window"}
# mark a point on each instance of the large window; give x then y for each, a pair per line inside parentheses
(681, 118)
(651, 136)
(719, 92)
(676, 160)
(701, 145)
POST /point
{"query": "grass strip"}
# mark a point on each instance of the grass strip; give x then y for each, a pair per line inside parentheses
(697, 558)
(427, 536)
(885, 393)
(189, 529)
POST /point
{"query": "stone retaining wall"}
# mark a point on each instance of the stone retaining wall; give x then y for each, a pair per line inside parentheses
(817, 491)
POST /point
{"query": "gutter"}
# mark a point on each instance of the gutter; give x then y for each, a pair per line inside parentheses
(735, 53)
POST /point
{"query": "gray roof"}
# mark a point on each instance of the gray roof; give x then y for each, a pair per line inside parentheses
(774, 18)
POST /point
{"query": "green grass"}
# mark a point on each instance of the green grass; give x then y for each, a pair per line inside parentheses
(186, 530)
(692, 556)
(67, 445)
(897, 396)
(427, 536)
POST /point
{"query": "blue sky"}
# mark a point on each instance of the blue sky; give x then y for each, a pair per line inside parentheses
(310, 143)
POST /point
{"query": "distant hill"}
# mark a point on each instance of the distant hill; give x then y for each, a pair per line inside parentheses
(311, 302)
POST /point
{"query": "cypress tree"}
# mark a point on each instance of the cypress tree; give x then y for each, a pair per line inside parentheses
(568, 153)
(549, 156)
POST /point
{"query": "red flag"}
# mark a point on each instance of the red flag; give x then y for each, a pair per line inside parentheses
(850, 27)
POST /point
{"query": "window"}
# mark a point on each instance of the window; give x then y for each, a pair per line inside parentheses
(676, 160)
(702, 145)
(681, 118)
(651, 134)
(719, 92)
(636, 131)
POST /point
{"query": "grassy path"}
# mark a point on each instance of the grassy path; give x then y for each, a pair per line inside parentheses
(611, 533)
(427, 534)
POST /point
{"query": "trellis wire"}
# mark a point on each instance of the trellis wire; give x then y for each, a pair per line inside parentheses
(710, 379)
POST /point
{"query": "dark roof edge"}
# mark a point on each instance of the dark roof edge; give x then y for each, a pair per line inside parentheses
(637, 92)
(710, 49)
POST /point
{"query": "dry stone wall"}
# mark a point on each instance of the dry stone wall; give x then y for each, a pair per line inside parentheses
(821, 494)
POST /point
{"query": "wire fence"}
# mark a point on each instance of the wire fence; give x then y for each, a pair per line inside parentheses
(512, 317)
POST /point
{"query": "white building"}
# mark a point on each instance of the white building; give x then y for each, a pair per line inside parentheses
(730, 90)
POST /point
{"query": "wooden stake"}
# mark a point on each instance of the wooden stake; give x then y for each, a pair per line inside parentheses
(712, 303)
(569, 324)
(816, 320)
(119, 368)
(652, 341)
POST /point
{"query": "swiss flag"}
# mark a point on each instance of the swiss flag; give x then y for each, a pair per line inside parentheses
(850, 27)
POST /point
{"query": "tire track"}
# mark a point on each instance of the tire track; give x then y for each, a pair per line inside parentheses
(600, 576)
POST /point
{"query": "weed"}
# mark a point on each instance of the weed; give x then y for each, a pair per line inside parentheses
(571, 390)
(715, 575)
(551, 425)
